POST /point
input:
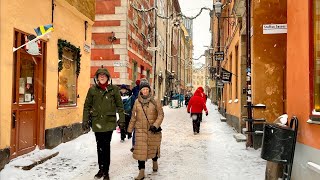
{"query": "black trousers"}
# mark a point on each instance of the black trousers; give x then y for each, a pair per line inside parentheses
(142, 164)
(196, 123)
(124, 131)
(103, 140)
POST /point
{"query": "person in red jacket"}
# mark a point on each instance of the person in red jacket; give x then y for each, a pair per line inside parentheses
(204, 96)
(195, 107)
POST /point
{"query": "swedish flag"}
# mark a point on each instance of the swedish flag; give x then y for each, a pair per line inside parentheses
(43, 29)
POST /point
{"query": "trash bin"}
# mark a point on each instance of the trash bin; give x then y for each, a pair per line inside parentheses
(278, 143)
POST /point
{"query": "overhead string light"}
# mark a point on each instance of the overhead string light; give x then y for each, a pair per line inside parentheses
(171, 15)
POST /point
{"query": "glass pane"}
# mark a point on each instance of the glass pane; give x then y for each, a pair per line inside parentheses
(67, 81)
(26, 81)
(316, 15)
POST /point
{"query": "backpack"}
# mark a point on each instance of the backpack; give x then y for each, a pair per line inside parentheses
(127, 105)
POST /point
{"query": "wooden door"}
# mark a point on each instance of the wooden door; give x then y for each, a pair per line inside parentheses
(28, 102)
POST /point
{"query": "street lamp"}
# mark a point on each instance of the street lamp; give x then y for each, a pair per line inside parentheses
(217, 6)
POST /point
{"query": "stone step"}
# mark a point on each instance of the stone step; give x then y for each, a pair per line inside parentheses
(240, 137)
(223, 119)
(30, 160)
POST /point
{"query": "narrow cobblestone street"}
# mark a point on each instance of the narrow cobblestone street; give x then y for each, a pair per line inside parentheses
(212, 154)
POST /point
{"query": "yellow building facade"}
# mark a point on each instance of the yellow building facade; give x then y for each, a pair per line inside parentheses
(42, 95)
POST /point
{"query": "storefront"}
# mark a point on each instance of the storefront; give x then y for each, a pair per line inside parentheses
(43, 84)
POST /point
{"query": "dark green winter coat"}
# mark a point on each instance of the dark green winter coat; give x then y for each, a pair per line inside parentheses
(103, 105)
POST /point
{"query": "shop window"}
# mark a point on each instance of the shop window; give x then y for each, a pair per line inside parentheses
(316, 35)
(69, 69)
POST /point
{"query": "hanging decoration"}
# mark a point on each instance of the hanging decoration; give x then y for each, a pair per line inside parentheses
(77, 56)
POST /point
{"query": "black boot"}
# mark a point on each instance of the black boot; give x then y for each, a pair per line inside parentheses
(106, 177)
(99, 174)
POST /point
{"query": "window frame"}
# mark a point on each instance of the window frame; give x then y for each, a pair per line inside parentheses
(314, 117)
(62, 46)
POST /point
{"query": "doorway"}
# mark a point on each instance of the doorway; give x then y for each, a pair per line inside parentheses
(28, 101)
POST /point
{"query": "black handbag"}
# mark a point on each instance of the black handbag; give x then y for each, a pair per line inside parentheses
(157, 130)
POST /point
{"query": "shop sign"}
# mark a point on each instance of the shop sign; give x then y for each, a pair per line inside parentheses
(275, 28)
(86, 47)
(219, 56)
(226, 76)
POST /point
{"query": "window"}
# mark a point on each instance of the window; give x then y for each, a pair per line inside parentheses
(316, 37)
(236, 70)
(230, 69)
(134, 73)
(68, 80)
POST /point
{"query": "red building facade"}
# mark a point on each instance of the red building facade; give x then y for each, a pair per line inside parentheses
(121, 35)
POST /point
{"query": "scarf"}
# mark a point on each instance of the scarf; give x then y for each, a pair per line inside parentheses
(145, 99)
(103, 86)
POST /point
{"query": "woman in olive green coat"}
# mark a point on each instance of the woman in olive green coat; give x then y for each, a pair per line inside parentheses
(102, 103)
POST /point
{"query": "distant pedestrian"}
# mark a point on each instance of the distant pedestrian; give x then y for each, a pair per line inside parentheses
(102, 103)
(135, 92)
(147, 116)
(195, 107)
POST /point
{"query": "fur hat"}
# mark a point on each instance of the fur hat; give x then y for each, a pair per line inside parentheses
(144, 83)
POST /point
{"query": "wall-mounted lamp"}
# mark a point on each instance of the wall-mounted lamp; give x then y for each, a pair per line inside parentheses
(160, 77)
(112, 37)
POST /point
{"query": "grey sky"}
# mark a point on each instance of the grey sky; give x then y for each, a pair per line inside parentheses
(201, 24)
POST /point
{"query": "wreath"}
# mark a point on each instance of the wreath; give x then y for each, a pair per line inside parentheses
(65, 44)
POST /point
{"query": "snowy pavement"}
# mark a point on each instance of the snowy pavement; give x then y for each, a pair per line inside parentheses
(211, 155)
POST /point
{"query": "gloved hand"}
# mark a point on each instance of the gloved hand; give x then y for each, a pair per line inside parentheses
(153, 129)
(129, 135)
(189, 112)
(121, 126)
(207, 113)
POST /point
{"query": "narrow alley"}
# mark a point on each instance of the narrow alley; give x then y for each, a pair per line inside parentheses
(212, 154)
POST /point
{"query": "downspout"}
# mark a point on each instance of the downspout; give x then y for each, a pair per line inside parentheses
(155, 45)
(248, 53)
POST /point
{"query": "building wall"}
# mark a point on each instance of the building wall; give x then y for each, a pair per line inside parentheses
(69, 25)
(299, 90)
(268, 59)
(233, 101)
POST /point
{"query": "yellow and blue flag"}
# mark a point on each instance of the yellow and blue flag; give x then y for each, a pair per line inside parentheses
(43, 29)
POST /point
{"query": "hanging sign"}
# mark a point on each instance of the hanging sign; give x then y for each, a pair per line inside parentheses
(226, 76)
(219, 56)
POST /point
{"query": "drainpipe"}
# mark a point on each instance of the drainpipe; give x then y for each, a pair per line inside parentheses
(248, 71)
(155, 45)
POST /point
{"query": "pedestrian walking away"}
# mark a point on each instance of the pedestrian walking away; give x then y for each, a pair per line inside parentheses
(127, 100)
(146, 119)
(102, 103)
(195, 107)
(135, 92)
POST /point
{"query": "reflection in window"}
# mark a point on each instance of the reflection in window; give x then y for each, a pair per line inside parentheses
(68, 79)
(316, 30)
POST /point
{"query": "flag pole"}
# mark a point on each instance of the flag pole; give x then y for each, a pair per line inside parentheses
(33, 40)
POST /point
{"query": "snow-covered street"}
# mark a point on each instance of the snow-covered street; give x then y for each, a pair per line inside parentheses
(213, 155)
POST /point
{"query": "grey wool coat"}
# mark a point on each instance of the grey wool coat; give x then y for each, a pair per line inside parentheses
(147, 144)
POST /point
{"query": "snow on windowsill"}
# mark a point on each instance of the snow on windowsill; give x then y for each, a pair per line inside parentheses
(236, 100)
(230, 101)
(260, 105)
(315, 113)
(313, 166)
(312, 122)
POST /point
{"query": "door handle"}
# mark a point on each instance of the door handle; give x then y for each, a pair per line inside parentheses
(14, 120)
(41, 108)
